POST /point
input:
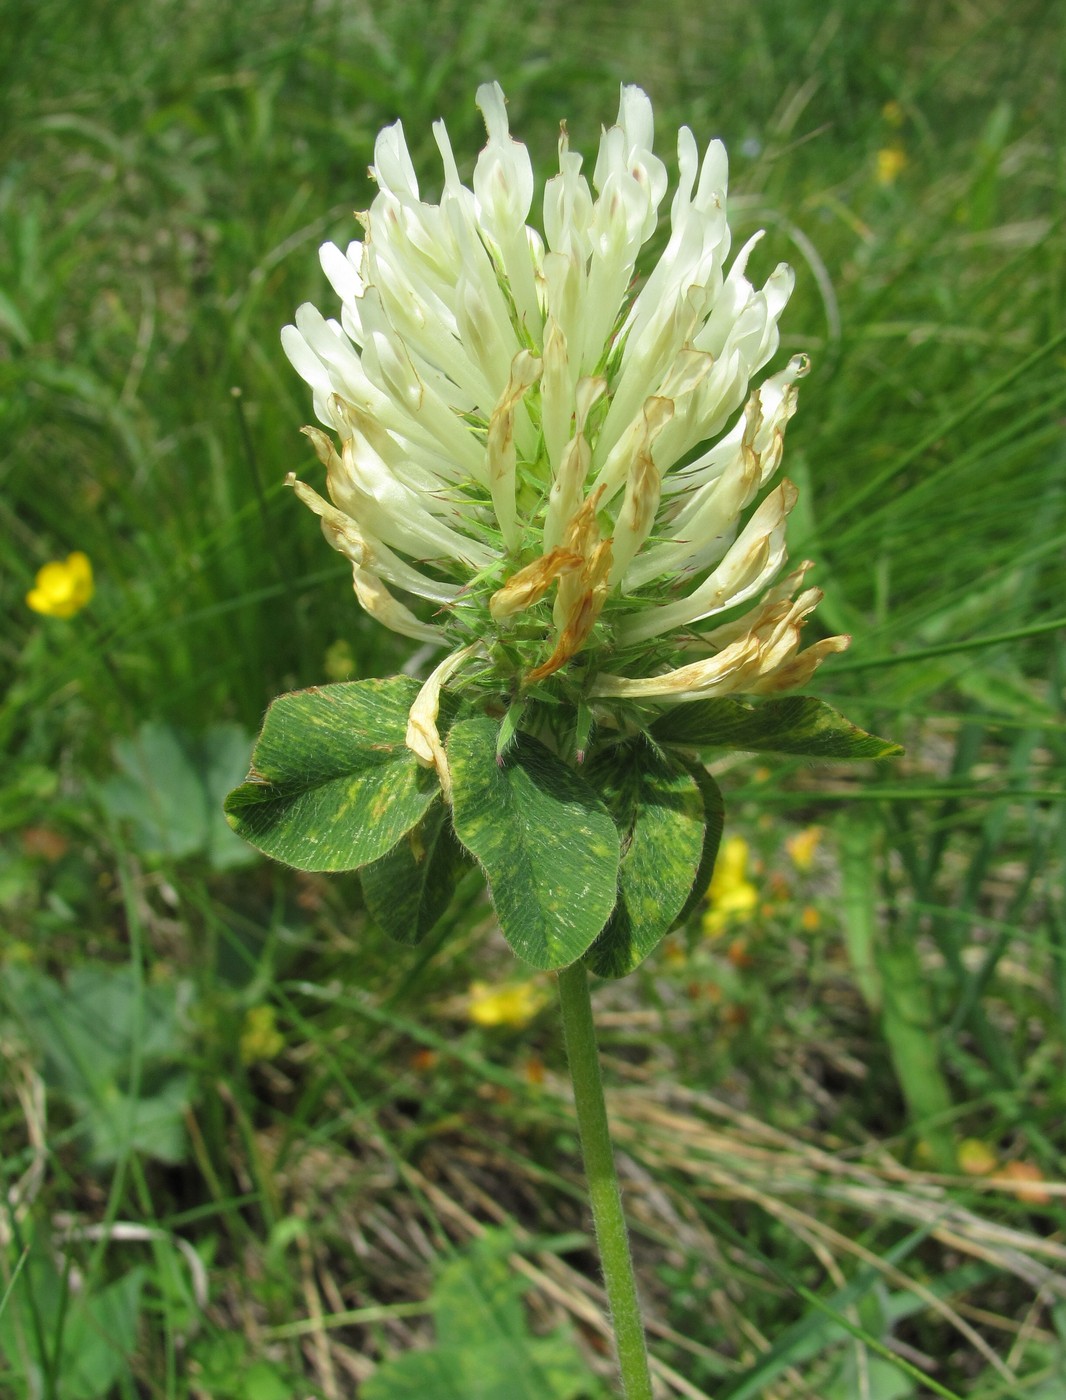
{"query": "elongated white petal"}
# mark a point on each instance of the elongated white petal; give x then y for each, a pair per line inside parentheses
(342, 269)
(348, 539)
(500, 449)
(398, 515)
(503, 177)
(344, 368)
(567, 205)
(752, 560)
(376, 599)
(568, 481)
(697, 681)
(759, 654)
(643, 489)
(392, 167)
(798, 669)
(503, 188)
(423, 737)
(722, 484)
(556, 395)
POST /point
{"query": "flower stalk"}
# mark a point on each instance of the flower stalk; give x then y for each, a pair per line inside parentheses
(605, 1196)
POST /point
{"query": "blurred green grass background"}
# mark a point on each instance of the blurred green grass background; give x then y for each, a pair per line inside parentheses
(224, 1058)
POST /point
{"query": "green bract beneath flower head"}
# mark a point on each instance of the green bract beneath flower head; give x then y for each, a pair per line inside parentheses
(560, 463)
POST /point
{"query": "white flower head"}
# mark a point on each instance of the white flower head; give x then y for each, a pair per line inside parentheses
(555, 455)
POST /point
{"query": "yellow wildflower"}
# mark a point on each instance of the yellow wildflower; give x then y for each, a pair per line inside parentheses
(63, 587)
(731, 897)
(260, 1037)
(976, 1158)
(339, 663)
(891, 162)
(514, 1004)
(802, 845)
(810, 919)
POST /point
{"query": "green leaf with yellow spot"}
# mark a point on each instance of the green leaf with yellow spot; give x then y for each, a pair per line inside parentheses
(659, 810)
(333, 785)
(797, 724)
(545, 841)
(408, 889)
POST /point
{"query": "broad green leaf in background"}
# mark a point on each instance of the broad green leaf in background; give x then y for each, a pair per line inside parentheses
(545, 841)
(658, 810)
(796, 724)
(227, 1369)
(874, 1378)
(90, 1035)
(24, 792)
(410, 887)
(95, 1331)
(1054, 1360)
(333, 785)
(170, 786)
(153, 1123)
(484, 1350)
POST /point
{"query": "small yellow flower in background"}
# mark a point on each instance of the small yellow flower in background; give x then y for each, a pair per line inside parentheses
(62, 587)
(731, 896)
(802, 845)
(339, 663)
(260, 1037)
(514, 1004)
(976, 1158)
(810, 919)
(893, 113)
(891, 162)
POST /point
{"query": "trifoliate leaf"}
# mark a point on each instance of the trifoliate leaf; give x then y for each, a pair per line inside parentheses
(410, 887)
(333, 785)
(797, 724)
(484, 1348)
(169, 789)
(545, 841)
(658, 810)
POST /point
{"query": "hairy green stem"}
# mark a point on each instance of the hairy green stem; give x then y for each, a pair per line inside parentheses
(604, 1195)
